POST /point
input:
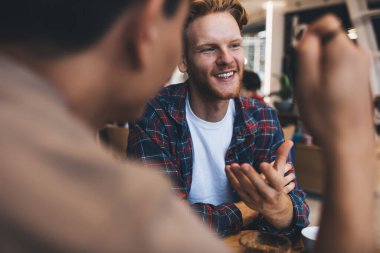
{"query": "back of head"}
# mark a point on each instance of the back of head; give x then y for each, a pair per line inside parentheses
(251, 81)
(53, 28)
(200, 8)
(54, 37)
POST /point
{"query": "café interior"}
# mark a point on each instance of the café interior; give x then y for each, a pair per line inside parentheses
(268, 45)
(269, 41)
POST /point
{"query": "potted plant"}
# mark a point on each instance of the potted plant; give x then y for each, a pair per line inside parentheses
(285, 104)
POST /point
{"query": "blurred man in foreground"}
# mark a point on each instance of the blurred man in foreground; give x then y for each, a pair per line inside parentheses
(67, 68)
(60, 80)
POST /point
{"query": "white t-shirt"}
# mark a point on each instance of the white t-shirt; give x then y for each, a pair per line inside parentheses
(210, 143)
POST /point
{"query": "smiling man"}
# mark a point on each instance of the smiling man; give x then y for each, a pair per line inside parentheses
(195, 129)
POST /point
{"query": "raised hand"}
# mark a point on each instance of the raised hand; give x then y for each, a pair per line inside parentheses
(266, 196)
(335, 104)
(332, 82)
(266, 193)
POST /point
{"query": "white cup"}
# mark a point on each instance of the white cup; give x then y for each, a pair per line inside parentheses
(309, 235)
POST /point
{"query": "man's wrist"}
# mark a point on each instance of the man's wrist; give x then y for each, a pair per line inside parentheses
(248, 215)
(282, 218)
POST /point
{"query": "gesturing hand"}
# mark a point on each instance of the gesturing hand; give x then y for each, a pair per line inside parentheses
(266, 192)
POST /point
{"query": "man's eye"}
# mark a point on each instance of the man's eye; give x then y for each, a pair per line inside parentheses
(234, 46)
(207, 50)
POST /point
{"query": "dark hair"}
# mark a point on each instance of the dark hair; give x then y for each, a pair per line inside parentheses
(170, 7)
(56, 27)
(251, 81)
(200, 8)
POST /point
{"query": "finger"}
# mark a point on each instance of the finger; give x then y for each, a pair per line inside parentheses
(275, 179)
(334, 41)
(289, 178)
(235, 183)
(282, 155)
(326, 28)
(248, 186)
(288, 168)
(308, 66)
(263, 176)
(308, 72)
(234, 165)
(264, 190)
(232, 178)
(244, 182)
(288, 188)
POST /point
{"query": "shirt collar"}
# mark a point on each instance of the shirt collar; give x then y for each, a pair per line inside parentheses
(244, 123)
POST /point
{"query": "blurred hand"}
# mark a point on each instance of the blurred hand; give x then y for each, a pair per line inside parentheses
(333, 83)
(335, 103)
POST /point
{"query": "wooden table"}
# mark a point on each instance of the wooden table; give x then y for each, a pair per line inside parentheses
(233, 242)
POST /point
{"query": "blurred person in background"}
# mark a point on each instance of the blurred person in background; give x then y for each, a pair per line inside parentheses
(193, 130)
(67, 68)
(251, 85)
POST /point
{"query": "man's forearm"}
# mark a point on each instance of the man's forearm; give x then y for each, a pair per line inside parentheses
(224, 219)
(350, 173)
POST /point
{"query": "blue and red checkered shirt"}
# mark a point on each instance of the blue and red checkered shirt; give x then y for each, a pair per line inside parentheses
(162, 139)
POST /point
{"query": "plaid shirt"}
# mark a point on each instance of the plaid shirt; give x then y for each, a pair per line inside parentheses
(162, 138)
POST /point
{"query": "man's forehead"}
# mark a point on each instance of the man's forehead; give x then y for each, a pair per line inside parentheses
(214, 27)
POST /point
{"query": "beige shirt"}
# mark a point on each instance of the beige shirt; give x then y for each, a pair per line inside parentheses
(61, 192)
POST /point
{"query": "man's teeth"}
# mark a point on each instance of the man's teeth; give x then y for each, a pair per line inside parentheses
(225, 75)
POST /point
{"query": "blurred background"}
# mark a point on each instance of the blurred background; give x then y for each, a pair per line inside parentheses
(273, 25)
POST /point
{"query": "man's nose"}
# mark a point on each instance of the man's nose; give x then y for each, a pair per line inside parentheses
(224, 57)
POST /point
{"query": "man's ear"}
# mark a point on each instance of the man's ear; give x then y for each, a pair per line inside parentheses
(182, 66)
(143, 32)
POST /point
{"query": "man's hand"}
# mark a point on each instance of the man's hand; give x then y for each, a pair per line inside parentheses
(267, 198)
(333, 84)
(266, 193)
(335, 104)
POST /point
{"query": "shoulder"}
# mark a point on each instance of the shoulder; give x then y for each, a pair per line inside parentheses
(167, 104)
(170, 94)
(257, 109)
